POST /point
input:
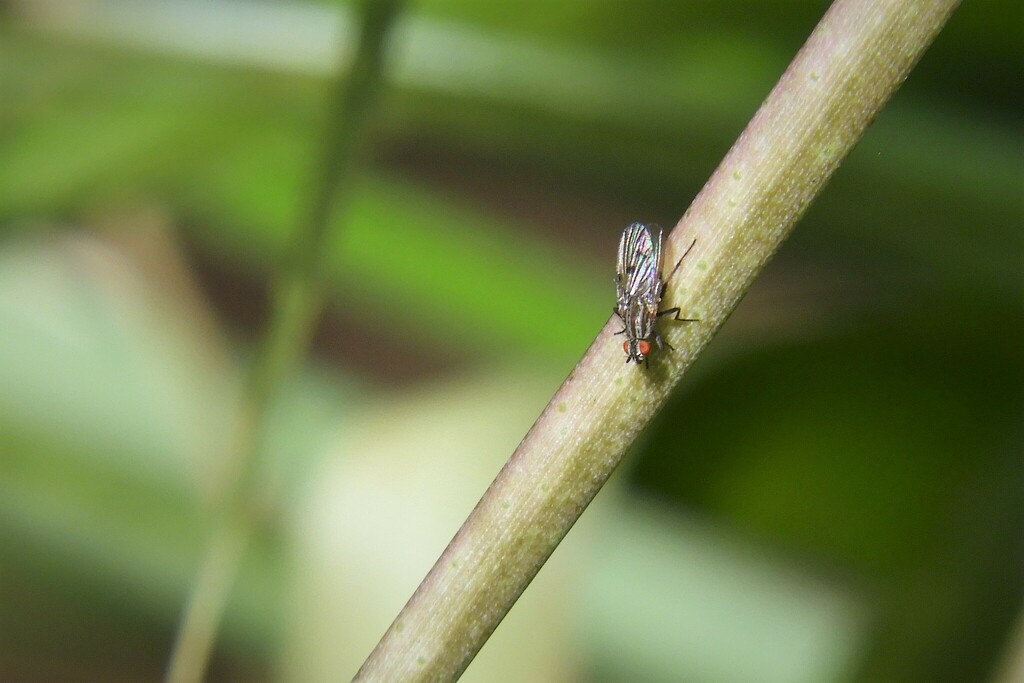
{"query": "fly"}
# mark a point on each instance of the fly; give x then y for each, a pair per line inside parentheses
(640, 288)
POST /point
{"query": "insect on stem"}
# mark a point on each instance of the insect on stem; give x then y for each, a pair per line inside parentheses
(640, 289)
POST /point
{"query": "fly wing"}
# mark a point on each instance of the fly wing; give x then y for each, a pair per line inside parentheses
(624, 262)
(638, 272)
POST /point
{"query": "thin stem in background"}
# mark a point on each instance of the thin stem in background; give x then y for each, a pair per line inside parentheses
(853, 62)
(295, 307)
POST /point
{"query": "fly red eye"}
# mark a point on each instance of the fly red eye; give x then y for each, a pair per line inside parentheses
(644, 346)
(625, 347)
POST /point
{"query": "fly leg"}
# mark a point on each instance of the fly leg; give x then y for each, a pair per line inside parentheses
(678, 263)
(615, 310)
(674, 312)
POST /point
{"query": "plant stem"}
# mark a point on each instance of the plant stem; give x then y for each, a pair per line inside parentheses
(296, 302)
(852, 63)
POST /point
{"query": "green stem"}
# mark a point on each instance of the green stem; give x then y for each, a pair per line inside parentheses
(298, 293)
(852, 63)
(296, 303)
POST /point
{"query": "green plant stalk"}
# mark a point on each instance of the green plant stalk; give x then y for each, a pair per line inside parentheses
(1010, 666)
(296, 302)
(852, 63)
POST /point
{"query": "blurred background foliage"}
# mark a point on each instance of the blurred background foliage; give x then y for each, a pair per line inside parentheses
(835, 494)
